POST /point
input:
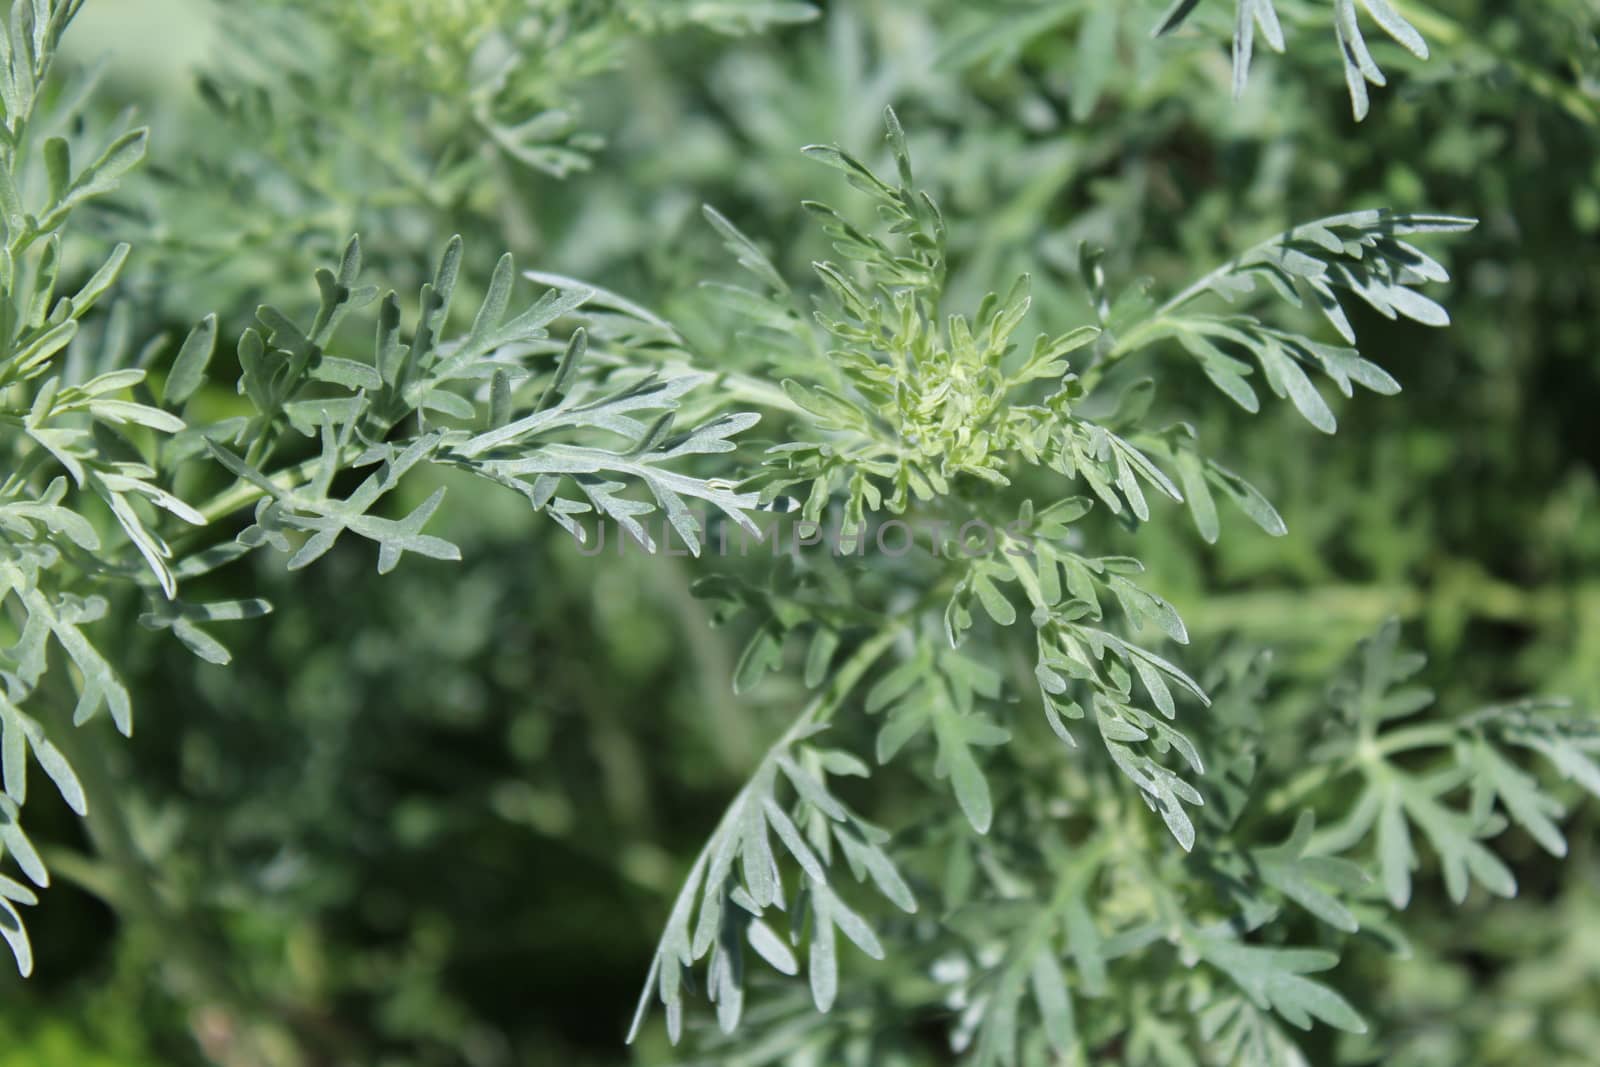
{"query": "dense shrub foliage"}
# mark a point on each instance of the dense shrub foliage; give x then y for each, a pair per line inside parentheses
(1045, 532)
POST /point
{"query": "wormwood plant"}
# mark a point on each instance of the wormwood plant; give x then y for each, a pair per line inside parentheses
(1073, 826)
(1018, 665)
(101, 454)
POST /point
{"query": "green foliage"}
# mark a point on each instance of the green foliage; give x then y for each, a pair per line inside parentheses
(88, 448)
(993, 685)
(1398, 793)
(948, 422)
(731, 906)
(72, 445)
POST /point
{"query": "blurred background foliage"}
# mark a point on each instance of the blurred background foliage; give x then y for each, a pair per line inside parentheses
(438, 818)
